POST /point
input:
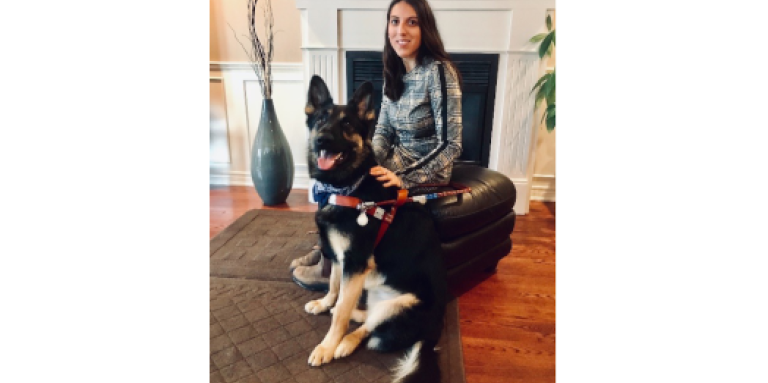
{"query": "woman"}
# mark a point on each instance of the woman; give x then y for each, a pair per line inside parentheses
(418, 134)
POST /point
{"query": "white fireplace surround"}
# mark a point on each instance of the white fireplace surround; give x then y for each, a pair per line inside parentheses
(330, 28)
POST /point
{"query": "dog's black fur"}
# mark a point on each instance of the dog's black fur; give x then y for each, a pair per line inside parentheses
(408, 257)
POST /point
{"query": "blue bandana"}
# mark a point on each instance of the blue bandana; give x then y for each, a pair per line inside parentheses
(321, 192)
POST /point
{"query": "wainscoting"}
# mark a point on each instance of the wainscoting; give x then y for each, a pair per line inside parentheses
(235, 111)
(543, 188)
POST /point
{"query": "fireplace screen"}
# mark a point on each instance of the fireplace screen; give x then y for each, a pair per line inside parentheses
(478, 73)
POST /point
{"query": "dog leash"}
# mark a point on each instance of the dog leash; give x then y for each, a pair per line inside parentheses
(375, 208)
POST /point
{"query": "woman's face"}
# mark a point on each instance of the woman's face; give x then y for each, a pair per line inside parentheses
(404, 31)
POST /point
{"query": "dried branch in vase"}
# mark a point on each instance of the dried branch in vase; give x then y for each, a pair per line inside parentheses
(260, 56)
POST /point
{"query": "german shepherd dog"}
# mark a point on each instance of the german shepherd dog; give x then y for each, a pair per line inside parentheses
(404, 274)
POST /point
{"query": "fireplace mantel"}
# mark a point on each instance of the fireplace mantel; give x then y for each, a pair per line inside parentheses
(330, 28)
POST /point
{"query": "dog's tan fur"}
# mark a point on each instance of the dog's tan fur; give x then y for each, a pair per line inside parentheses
(322, 305)
(351, 289)
(336, 343)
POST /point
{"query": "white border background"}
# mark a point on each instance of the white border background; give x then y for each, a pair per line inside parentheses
(105, 199)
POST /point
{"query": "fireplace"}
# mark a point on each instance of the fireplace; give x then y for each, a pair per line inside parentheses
(478, 73)
(501, 135)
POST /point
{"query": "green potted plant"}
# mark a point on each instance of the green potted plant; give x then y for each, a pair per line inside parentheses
(546, 84)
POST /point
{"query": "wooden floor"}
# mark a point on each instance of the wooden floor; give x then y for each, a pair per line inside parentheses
(507, 318)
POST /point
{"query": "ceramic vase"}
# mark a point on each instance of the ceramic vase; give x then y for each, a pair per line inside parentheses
(271, 159)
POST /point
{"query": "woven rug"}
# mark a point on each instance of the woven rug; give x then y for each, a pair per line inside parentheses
(259, 330)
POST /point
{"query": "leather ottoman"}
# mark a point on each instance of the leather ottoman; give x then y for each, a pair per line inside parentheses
(475, 227)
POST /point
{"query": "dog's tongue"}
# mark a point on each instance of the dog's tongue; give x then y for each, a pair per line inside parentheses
(326, 160)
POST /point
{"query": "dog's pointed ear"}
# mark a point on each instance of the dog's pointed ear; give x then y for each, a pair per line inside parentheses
(318, 95)
(362, 102)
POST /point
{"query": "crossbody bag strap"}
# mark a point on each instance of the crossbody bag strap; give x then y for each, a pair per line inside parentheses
(445, 100)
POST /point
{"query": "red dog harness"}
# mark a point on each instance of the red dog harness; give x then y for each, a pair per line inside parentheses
(374, 208)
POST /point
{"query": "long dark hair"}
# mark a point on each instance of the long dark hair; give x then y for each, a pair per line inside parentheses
(431, 46)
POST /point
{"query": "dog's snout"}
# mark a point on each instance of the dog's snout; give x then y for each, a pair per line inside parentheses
(323, 138)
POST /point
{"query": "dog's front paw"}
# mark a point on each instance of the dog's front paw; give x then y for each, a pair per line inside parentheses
(320, 355)
(347, 345)
(316, 307)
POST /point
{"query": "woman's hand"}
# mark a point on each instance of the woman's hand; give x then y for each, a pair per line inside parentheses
(386, 177)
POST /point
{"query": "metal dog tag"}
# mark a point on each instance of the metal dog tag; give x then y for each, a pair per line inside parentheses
(362, 219)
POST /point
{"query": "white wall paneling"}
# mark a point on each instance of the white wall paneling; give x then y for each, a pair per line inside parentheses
(323, 62)
(352, 37)
(513, 134)
(243, 97)
(543, 188)
(219, 141)
(456, 32)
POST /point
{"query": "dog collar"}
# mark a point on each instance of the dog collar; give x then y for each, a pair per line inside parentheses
(322, 192)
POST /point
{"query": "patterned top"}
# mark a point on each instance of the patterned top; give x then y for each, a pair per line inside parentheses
(411, 137)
